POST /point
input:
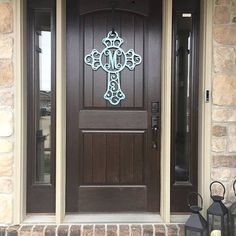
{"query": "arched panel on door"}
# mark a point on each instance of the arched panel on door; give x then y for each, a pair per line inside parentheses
(136, 6)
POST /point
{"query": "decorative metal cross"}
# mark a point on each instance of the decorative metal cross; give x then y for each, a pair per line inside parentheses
(113, 60)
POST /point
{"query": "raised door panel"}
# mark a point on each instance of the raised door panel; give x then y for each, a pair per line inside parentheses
(112, 158)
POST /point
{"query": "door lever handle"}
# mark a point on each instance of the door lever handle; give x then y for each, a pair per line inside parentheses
(154, 137)
(155, 123)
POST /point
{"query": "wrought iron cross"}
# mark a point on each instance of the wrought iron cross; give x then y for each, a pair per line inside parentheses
(113, 60)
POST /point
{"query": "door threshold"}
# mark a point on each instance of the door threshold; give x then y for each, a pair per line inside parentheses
(111, 218)
(104, 218)
(39, 218)
(96, 218)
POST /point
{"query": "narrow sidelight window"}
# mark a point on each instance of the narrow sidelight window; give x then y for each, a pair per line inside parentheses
(41, 107)
(184, 102)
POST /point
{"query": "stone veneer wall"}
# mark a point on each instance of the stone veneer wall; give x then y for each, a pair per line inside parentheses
(6, 110)
(224, 95)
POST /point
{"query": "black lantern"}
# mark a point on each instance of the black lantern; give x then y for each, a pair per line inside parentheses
(196, 225)
(232, 213)
(217, 213)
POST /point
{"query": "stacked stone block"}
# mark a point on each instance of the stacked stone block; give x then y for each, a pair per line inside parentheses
(224, 95)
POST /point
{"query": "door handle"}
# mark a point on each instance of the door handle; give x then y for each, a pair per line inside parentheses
(154, 137)
(155, 123)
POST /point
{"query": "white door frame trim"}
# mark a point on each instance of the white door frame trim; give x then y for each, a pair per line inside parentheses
(166, 110)
(20, 109)
(19, 195)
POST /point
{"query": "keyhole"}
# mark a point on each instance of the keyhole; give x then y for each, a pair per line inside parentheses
(133, 2)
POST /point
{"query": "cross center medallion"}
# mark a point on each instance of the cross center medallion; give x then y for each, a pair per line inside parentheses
(113, 59)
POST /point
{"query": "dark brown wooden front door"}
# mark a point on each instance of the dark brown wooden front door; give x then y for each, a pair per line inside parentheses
(113, 151)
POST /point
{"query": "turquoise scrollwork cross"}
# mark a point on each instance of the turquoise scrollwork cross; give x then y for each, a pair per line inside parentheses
(113, 60)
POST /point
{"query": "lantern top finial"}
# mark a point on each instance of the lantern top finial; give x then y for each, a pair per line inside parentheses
(195, 208)
(234, 187)
(217, 207)
(196, 222)
(217, 198)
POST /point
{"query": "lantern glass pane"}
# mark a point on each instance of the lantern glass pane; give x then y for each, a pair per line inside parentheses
(192, 233)
(234, 226)
(214, 222)
(226, 222)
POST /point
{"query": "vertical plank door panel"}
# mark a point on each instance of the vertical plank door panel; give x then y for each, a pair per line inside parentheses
(112, 165)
